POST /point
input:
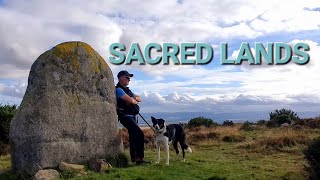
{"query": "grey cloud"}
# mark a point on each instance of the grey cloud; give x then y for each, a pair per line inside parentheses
(25, 33)
(15, 90)
(242, 103)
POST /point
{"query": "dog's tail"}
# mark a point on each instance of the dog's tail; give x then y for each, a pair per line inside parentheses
(189, 150)
(184, 145)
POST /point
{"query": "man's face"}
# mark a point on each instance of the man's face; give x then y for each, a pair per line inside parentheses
(124, 80)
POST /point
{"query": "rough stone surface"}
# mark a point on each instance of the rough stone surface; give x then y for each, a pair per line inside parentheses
(68, 112)
(47, 174)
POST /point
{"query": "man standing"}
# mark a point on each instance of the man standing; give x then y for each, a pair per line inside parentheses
(127, 109)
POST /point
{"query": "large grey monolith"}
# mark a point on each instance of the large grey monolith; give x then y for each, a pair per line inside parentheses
(68, 112)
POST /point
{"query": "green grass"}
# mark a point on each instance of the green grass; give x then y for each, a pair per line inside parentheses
(5, 168)
(214, 159)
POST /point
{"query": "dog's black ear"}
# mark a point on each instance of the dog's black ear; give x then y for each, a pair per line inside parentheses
(154, 120)
(161, 121)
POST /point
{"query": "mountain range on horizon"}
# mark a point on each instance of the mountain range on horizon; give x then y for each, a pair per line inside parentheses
(184, 117)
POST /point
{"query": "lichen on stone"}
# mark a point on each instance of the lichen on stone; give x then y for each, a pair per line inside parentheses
(64, 49)
(78, 99)
(76, 65)
(95, 67)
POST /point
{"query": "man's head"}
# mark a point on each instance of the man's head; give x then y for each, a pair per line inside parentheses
(124, 77)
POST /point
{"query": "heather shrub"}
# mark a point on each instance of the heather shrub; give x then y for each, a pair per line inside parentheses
(300, 122)
(7, 112)
(278, 117)
(313, 123)
(149, 138)
(247, 126)
(233, 138)
(227, 123)
(279, 139)
(312, 154)
(201, 121)
(261, 122)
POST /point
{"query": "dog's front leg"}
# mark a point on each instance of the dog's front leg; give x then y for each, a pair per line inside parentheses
(158, 151)
(166, 145)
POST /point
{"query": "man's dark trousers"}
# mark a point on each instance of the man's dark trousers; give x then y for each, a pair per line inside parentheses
(136, 137)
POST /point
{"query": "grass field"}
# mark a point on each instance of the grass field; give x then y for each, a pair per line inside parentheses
(218, 153)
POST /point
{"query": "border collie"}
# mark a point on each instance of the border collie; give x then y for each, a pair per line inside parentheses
(167, 134)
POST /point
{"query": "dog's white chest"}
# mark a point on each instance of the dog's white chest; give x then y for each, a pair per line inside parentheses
(162, 138)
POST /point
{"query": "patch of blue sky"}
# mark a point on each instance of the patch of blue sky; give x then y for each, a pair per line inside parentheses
(8, 82)
(313, 9)
(286, 37)
(224, 85)
(174, 79)
(122, 17)
(223, 24)
(9, 100)
(180, 1)
(140, 74)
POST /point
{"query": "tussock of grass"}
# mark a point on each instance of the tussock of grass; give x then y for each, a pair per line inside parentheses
(228, 130)
(220, 133)
(201, 134)
(278, 139)
(313, 123)
(284, 137)
(195, 137)
(231, 133)
(149, 138)
(234, 138)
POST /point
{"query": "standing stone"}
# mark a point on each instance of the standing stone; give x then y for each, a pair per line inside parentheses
(68, 112)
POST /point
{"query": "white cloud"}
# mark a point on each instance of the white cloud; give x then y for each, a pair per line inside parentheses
(25, 33)
(226, 104)
(281, 17)
(13, 90)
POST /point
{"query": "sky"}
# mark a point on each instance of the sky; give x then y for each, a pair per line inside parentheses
(29, 28)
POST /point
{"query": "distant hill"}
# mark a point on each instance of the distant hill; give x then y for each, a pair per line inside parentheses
(184, 117)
